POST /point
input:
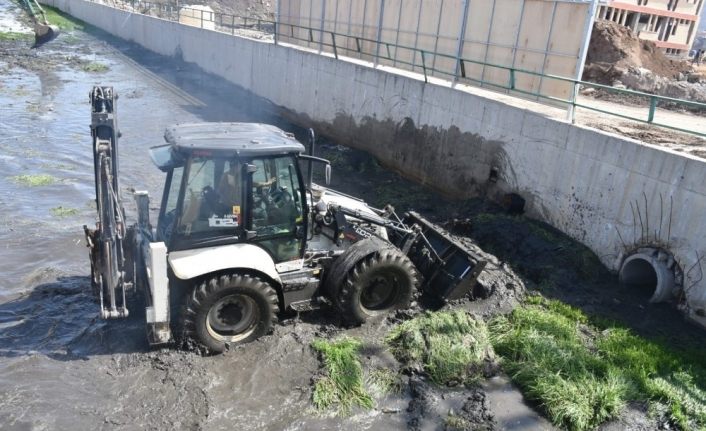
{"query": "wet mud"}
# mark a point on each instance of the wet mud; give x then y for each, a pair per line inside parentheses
(61, 367)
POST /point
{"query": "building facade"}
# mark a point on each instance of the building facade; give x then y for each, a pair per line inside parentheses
(671, 24)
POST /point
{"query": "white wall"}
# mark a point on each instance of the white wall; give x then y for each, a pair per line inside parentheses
(579, 180)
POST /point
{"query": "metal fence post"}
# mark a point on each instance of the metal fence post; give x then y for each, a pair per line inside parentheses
(379, 37)
(587, 30)
(424, 66)
(333, 40)
(487, 40)
(397, 33)
(461, 37)
(323, 21)
(517, 42)
(653, 107)
(571, 113)
(512, 78)
(277, 18)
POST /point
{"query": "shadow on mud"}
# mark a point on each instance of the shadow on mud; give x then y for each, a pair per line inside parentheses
(60, 319)
(558, 267)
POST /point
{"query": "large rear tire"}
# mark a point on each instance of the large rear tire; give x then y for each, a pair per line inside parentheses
(375, 284)
(228, 310)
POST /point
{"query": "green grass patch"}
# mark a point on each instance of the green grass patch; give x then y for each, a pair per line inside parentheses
(64, 212)
(11, 35)
(583, 374)
(342, 386)
(94, 67)
(450, 346)
(36, 180)
(453, 422)
(383, 381)
(62, 20)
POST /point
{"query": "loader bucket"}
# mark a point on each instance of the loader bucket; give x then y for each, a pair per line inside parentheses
(44, 33)
(456, 273)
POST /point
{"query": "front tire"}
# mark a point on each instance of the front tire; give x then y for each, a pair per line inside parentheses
(229, 310)
(383, 281)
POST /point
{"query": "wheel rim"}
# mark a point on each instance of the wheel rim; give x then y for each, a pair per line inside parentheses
(233, 318)
(380, 293)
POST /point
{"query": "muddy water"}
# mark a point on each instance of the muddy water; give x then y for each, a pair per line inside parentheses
(60, 366)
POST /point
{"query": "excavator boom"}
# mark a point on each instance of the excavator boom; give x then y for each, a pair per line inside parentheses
(43, 32)
(106, 240)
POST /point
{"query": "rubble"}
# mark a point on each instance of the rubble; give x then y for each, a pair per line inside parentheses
(617, 57)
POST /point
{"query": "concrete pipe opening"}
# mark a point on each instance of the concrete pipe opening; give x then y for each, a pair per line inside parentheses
(651, 274)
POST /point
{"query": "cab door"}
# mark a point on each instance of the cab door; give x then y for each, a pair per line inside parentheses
(277, 206)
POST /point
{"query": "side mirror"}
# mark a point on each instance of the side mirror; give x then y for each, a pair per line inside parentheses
(328, 174)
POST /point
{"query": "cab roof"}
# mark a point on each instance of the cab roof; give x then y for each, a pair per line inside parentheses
(241, 139)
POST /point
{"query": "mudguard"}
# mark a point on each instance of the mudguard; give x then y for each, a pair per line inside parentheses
(188, 264)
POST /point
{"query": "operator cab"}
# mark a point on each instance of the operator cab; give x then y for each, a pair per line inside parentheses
(230, 183)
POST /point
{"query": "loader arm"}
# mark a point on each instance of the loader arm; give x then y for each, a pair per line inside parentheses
(449, 268)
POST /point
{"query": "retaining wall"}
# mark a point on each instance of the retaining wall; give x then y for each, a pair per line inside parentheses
(611, 193)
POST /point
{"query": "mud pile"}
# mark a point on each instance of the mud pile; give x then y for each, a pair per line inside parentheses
(617, 57)
(615, 45)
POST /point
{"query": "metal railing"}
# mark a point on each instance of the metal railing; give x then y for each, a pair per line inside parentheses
(341, 43)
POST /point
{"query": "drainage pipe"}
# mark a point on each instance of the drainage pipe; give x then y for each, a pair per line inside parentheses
(651, 268)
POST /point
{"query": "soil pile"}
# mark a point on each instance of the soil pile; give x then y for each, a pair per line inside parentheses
(617, 57)
(616, 47)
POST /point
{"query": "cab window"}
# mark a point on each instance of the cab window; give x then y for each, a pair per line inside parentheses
(212, 198)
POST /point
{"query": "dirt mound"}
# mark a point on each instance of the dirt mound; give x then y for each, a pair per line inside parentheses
(615, 48)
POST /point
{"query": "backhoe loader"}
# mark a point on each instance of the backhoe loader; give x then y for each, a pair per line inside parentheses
(243, 235)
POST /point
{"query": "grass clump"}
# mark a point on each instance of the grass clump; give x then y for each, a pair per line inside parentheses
(543, 351)
(342, 386)
(384, 381)
(583, 376)
(63, 211)
(34, 180)
(11, 35)
(450, 346)
(671, 377)
(94, 67)
(453, 422)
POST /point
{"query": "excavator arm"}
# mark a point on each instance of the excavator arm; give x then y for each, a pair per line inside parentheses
(43, 32)
(123, 258)
(106, 241)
